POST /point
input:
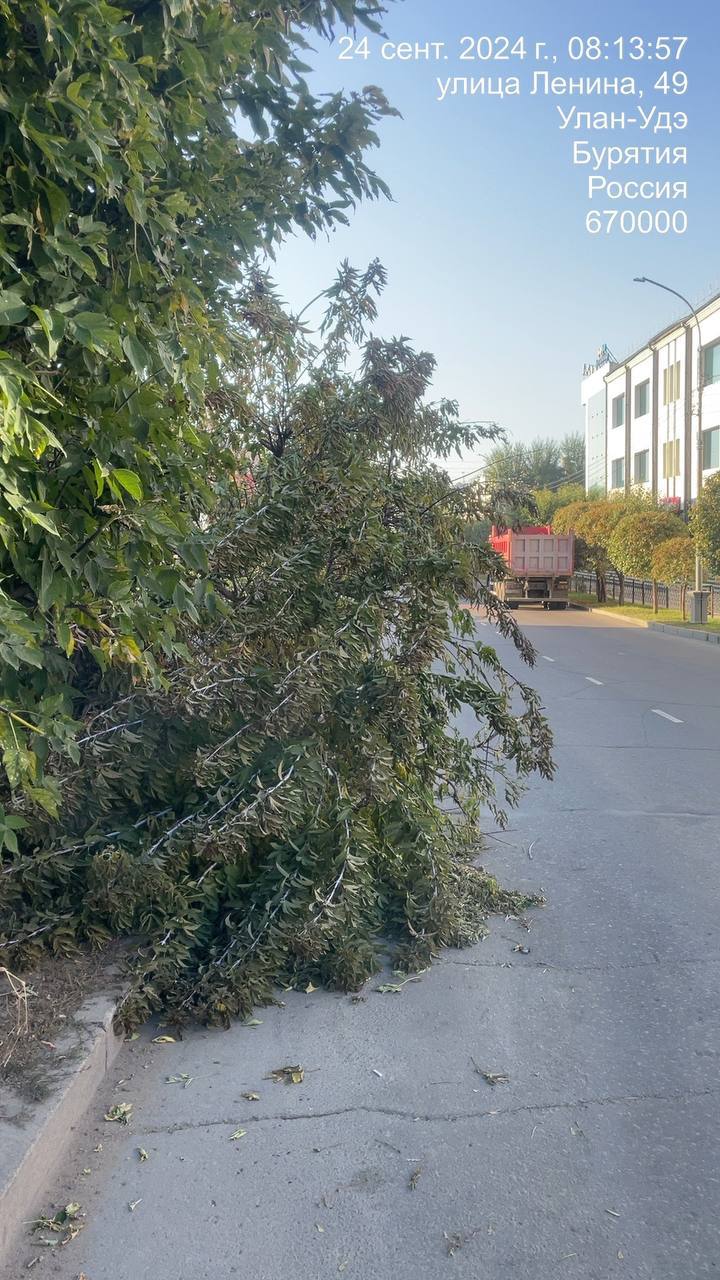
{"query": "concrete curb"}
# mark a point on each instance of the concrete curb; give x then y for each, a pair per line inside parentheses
(30, 1161)
(685, 633)
(712, 637)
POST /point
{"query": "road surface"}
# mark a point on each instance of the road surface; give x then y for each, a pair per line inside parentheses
(394, 1158)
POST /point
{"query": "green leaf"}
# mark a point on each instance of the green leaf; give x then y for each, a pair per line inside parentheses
(13, 308)
(129, 481)
(137, 355)
(43, 516)
(93, 330)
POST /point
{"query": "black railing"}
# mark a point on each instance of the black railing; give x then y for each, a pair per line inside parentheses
(639, 591)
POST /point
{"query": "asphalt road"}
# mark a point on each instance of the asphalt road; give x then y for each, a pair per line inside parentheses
(598, 1157)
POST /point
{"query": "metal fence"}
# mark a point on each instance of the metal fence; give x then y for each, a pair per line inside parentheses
(638, 591)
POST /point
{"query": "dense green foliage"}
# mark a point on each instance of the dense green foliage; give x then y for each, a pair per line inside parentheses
(636, 538)
(548, 501)
(149, 152)
(705, 523)
(594, 522)
(673, 562)
(301, 787)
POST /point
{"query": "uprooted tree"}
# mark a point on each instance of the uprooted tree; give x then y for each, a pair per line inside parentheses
(245, 718)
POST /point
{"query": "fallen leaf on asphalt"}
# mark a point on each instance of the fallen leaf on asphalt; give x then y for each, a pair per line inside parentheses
(287, 1075)
(251, 1097)
(388, 987)
(344, 1265)
(142, 1154)
(34, 1261)
(612, 1213)
(524, 951)
(621, 1255)
(239, 1133)
(378, 1073)
(134, 1035)
(414, 1176)
(319, 1228)
(133, 1204)
(184, 1079)
(164, 1040)
(65, 1220)
(358, 999)
(99, 1146)
(120, 1112)
(309, 989)
(252, 1022)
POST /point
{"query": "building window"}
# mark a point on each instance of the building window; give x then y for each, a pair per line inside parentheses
(617, 478)
(671, 459)
(671, 383)
(641, 467)
(618, 411)
(711, 448)
(642, 398)
(711, 364)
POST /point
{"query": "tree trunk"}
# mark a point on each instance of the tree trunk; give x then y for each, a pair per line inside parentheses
(683, 590)
(655, 596)
(621, 592)
(600, 588)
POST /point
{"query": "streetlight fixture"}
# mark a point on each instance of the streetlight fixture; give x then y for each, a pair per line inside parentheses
(698, 597)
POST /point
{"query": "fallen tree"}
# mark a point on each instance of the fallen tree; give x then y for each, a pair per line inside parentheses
(298, 788)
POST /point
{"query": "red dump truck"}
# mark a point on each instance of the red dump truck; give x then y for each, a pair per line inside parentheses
(540, 566)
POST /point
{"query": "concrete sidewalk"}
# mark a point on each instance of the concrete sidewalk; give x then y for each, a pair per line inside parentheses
(595, 1157)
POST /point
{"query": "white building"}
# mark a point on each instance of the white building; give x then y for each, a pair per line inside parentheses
(641, 414)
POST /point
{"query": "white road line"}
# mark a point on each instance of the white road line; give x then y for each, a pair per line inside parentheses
(666, 716)
(548, 659)
(593, 680)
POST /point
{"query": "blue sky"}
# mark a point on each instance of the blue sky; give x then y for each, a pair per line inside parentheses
(490, 266)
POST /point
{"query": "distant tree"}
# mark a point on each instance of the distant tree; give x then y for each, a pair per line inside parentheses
(705, 523)
(548, 501)
(673, 562)
(540, 464)
(572, 455)
(508, 463)
(636, 538)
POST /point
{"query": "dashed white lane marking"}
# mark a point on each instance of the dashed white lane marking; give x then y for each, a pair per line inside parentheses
(548, 659)
(593, 680)
(666, 715)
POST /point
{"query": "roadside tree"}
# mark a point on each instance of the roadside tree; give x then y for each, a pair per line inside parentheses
(705, 523)
(636, 538)
(151, 152)
(673, 562)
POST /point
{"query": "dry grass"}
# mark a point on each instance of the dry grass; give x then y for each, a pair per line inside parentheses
(15, 998)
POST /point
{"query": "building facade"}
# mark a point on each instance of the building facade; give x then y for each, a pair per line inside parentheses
(643, 431)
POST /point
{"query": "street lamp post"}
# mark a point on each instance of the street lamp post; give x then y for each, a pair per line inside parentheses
(698, 597)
